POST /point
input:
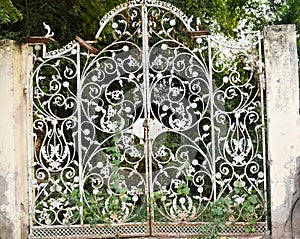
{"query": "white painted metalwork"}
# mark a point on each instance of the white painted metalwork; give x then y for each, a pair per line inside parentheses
(139, 139)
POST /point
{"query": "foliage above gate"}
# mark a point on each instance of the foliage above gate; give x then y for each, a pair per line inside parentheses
(147, 136)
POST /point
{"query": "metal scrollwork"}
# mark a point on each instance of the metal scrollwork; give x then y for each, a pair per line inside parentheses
(237, 98)
(153, 128)
(55, 162)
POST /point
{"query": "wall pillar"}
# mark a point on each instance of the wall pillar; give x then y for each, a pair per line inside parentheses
(283, 124)
(13, 142)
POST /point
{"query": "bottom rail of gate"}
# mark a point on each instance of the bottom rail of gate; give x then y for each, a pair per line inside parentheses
(175, 230)
(91, 231)
(142, 230)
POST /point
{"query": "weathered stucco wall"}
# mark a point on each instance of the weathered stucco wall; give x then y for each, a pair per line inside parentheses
(13, 145)
(283, 126)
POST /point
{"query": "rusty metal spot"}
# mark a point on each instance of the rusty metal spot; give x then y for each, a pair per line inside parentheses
(39, 40)
(86, 45)
(195, 34)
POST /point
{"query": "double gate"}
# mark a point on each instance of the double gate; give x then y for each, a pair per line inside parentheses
(148, 134)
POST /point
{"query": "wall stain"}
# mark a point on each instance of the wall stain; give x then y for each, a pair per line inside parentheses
(6, 226)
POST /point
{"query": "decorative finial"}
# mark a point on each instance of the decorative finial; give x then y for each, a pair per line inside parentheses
(199, 32)
(49, 33)
(198, 24)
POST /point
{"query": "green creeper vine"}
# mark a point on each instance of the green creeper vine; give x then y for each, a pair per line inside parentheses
(238, 205)
(93, 213)
(223, 212)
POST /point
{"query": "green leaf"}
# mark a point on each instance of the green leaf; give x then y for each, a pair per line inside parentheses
(253, 199)
(186, 191)
(117, 154)
(8, 13)
(75, 192)
(111, 149)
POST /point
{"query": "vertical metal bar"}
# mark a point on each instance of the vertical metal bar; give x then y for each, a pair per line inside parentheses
(29, 136)
(146, 102)
(44, 50)
(212, 117)
(145, 61)
(80, 167)
(262, 100)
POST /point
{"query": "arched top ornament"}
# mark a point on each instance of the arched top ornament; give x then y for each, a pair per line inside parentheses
(148, 3)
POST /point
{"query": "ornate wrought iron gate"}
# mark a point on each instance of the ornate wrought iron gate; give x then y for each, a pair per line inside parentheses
(141, 137)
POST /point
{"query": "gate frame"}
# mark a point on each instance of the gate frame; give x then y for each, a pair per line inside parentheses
(76, 45)
(14, 86)
(294, 117)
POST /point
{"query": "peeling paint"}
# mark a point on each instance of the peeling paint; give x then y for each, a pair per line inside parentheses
(3, 189)
(283, 129)
(6, 227)
(13, 155)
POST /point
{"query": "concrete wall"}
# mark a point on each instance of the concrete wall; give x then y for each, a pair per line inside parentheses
(13, 142)
(283, 127)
